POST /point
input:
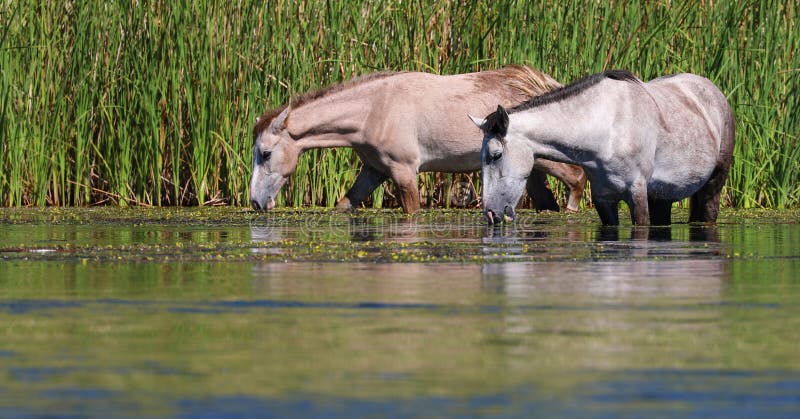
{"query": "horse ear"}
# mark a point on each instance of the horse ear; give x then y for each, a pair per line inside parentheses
(503, 120)
(279, 123)
(477, 121)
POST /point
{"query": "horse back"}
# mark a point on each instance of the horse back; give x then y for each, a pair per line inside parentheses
(695, 112)
(429, 113)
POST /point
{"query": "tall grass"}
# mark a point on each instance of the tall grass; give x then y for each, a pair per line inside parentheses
(152, 102)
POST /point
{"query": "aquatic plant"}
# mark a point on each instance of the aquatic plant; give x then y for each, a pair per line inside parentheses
(150, 103)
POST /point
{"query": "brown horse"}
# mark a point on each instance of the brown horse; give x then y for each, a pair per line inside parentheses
(394, 123)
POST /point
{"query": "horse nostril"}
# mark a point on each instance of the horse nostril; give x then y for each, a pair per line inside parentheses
(255, 204)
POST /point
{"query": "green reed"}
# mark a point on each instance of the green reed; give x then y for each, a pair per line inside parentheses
(152, 102)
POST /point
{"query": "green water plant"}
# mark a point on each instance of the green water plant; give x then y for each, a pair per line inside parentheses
(152, 103)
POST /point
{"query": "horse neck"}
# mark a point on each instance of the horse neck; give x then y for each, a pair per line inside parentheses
(566, 131)
(334, 120)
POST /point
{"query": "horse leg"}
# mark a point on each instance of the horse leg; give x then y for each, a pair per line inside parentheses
(573, 176)
(637, 202)
(608, 212)
(367, 180)
(576, 188)
(540, 192)
(607, 209)
(660, 212)
(606, 205)
(704, 204)
(408, 191)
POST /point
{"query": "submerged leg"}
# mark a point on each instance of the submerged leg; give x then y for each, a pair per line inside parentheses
(573, 176)
(607, 207)
(367, 180)
(704, 204)
(637, 202)
(660, 212)
(540, 193)
(608, 212)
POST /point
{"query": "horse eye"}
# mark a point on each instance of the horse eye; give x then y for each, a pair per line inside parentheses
(265, 155)
(493, 157)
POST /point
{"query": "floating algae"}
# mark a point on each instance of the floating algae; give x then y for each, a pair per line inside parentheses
(322, 235)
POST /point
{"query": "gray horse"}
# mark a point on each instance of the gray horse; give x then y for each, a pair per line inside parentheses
(648, 144)
(394, 123)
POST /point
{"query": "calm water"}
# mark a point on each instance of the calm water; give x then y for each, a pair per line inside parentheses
(222, 312)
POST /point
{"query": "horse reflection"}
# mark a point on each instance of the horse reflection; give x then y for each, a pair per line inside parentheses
(262, 236)
(602, 242)
(407, 283)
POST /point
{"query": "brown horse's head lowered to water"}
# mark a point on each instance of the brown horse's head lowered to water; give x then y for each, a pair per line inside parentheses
(394, 123)
(276, 148)
(275, 156)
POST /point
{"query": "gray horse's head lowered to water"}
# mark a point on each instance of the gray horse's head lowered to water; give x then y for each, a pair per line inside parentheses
(646, 144)
(275, 155)
(503, 175)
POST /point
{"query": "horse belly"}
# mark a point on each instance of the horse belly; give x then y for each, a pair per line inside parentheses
(452, 150)
(449, 161)
(674, 185)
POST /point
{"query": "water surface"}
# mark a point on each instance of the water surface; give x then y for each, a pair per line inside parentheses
(224, 312)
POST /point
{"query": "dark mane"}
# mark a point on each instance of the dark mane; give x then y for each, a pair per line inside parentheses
(497, 124)
(574, 88)
(266, 118)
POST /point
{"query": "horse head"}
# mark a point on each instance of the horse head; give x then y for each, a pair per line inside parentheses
(505, 167)
(275, 155)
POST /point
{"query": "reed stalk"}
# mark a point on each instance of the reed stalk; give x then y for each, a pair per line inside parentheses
(152, 102)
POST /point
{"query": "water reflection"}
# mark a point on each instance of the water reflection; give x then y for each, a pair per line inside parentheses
(365, 282)
(681, 261)
(603, 242)
(678, 321)
(541, 281)
(362, 227)
(263, 235)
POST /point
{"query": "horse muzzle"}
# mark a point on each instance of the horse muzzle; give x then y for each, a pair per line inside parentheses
(489, 216)
(506, 216)
(270, 204)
